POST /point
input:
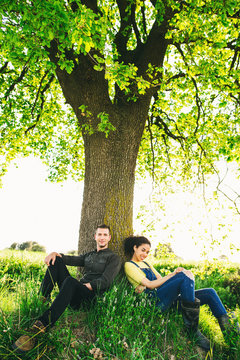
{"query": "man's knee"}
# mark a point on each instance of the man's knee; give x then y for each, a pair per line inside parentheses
(58, 261)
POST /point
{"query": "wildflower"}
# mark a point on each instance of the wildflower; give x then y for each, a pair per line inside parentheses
(74, 343)
(6, 330)
(96, 352)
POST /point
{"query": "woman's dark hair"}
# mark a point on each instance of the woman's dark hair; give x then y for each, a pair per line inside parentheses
(131, 241)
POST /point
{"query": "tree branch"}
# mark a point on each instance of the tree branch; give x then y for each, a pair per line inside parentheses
(235, 58)
(154, 49)
(46, 87)
(3, 67)
(161, 124)
(91, 4)
(235, 98)
(38, 92)
(135, 28)
(152, 148)
(17, 81)
(198, 103)
(220, 181)
(144, 18)
(124, 31)
(177, 76)
(153, 2)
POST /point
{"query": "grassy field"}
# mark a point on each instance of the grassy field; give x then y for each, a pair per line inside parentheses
(119, 325)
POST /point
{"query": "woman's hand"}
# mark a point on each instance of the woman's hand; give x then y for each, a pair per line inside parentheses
(139, 289)
(188, 273)
(178, 270)
(52, 256)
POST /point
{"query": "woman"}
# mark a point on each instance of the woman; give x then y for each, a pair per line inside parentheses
(165, 290)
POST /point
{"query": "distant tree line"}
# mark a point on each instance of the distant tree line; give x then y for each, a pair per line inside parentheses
(165, 251)
(72, 252)
(28, 245)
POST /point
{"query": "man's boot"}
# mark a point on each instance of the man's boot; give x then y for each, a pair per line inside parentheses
(190, 314)
(27, 342)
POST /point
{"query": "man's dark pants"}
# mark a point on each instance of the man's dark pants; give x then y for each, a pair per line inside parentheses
(71, 292)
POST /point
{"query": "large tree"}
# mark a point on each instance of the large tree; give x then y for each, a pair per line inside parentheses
(149, 74)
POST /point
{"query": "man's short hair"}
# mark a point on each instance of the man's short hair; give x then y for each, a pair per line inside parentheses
(103, 226)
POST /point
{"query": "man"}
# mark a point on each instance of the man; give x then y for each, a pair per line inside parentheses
(100, 268)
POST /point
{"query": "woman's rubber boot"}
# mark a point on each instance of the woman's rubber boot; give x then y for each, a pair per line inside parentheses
(229, 322)
(27, 342)
(190, 314)
(230, 328)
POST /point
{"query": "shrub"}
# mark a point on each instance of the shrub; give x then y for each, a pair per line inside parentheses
(15, 265)
(233, 283)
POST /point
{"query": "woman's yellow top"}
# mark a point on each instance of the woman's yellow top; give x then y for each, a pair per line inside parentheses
(134, 274)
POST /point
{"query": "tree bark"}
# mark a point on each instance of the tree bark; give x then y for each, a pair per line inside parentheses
(109, 177)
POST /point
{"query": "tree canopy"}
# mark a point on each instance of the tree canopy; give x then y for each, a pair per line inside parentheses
(109, 74)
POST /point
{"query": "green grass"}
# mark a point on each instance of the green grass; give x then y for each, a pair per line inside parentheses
(120, 325)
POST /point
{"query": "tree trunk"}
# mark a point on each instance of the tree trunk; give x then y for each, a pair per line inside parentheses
(109, 161)
(109, 177)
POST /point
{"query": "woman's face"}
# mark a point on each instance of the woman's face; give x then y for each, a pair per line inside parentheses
(141, 252)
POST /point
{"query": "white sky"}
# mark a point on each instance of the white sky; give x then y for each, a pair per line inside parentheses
(32, 209)
(188, 226)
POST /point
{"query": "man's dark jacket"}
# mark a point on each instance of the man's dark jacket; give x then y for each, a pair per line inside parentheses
(100, 267)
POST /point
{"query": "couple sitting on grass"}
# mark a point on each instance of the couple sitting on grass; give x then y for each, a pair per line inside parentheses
(101, 267)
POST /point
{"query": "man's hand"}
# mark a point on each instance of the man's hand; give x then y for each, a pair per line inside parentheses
(88, 285)
(52, 256)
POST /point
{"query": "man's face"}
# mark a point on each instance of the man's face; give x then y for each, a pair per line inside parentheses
(102, 238)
